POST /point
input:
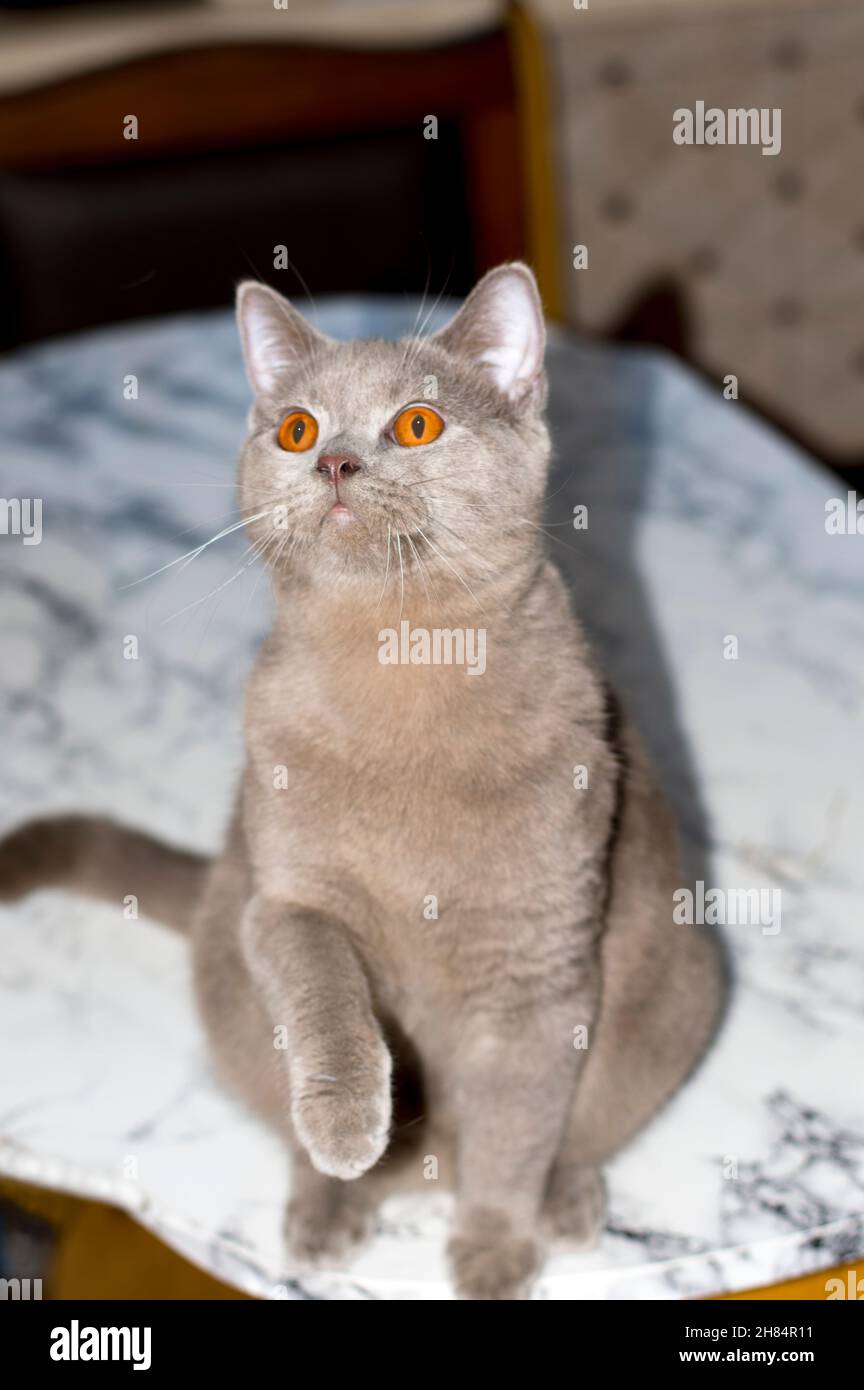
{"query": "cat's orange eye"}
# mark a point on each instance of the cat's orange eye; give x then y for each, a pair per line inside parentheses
(417, 425)
(298, 431)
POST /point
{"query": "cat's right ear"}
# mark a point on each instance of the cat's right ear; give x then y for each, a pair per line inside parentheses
(275, 337)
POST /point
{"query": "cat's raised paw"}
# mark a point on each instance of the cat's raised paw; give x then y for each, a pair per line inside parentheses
(491, 1261)
(344, 1125)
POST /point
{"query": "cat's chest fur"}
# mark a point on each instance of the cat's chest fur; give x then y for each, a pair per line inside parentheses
(428, 809)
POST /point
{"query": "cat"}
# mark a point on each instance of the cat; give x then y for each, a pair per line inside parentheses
(467, 958)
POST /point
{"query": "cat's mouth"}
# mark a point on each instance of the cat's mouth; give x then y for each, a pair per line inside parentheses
(340, 514)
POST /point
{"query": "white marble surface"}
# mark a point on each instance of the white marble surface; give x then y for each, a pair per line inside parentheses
(702, 523)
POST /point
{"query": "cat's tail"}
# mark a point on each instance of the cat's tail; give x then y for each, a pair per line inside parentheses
(102, 860)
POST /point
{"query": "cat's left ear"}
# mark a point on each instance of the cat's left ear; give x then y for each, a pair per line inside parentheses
(500, 328)
(275, 336)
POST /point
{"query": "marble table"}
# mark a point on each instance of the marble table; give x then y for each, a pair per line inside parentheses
(703, 525)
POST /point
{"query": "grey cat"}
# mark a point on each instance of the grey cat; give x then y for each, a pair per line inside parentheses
(414, 898)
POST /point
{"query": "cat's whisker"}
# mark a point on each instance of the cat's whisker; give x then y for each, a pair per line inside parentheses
(214, 516)
(475, 557)
(443, 557)
(387, 568)
(218, 589)
(288, 543)
(257, 547)
(562, 487)
(419, 335)
(265, 558)
(303, 285)
(451, 500)
(184, 560)
(440, 477)
(401, 575)
(162, 485)
(420, 307)
(460, 503)
(523, 521)
(196, 603)
(260, 552)
(422, 568)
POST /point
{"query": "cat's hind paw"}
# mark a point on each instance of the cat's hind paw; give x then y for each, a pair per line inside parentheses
(491, 1261)
(574, 1207)
(321, 1234)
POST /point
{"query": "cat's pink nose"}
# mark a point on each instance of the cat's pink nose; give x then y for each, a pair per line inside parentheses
(338, 466)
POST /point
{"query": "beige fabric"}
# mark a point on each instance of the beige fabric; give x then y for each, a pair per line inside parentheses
(768, 250)
(40, 48)
(610, 11)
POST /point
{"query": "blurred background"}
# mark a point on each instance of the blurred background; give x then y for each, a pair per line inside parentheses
(153, 153)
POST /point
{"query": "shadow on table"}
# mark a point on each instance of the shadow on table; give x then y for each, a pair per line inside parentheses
(607, 440)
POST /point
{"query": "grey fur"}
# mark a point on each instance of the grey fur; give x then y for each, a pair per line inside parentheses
(406, 782)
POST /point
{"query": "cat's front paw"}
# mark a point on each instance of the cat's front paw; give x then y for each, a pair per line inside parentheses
(490, 1260)
(343, 1121)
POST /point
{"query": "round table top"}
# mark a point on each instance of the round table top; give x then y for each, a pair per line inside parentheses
(704, 524)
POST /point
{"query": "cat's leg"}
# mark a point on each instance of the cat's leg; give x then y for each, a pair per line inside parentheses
(574, 1205)
(337, 1068)
(326, 1220)
(514, 1089)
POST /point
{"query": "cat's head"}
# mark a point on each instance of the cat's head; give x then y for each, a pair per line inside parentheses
(414, 465)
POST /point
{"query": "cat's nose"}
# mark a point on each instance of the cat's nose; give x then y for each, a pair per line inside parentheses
(337, 466)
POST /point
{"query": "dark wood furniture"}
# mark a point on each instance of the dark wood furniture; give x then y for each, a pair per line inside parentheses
(241, 149)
